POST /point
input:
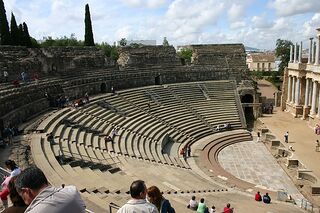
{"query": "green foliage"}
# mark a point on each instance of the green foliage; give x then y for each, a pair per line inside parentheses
(283, 52)
(14, 31)
(34, 43)
(4, 26)
(61, 42)
(185, 53)
(88, 36)
(109, 51)
(26, 37)
(123, 42)
(165, 42)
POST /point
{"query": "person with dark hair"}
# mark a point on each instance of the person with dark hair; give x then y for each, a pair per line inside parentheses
(18, 204)
(155, 197)
(202, 207)
(228, 209)
(14, 171)
(138, 203)
(266, 198)
(193, 204)
(12, 166)
(33, 186)
(258, 197)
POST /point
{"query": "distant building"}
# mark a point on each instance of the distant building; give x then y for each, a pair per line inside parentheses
(261, 62)
(143, 42)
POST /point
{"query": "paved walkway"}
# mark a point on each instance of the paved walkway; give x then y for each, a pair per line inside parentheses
(252, 162)
(301, 137)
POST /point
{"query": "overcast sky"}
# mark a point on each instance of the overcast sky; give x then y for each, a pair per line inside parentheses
(256, 23)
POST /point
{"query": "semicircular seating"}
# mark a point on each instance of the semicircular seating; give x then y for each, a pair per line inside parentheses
(153, 123)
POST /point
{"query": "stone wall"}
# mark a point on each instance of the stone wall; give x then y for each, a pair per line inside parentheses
(51, 61)
(219, 55)
(87, 70)
(143, 56)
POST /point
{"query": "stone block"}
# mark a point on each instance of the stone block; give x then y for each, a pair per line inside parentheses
(270, 137)
(264, 130)
(292, 163)
(315, 190)
(275, 143)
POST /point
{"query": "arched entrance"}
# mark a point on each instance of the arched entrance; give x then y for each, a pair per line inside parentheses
(248, 109)
(157, 80)
(103, 87)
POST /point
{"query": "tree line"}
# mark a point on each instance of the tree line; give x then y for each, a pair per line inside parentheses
(18, 35)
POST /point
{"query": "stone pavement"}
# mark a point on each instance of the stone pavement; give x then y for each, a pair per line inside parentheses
(301, 137)
(251, 161)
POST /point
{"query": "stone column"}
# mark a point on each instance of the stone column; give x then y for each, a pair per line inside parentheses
(318, 114)
(314, 97)
(295, 53)
(291, 53)
(289, 88)
(306, 96)
(310, 51)
(297, 98)
(310, 92)
(316, 60)
(293, 89)
(314, 51)
(300, 52)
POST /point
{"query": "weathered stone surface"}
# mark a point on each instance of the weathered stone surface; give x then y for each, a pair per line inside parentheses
(148, 56)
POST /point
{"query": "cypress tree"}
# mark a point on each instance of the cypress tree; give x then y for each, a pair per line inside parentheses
(88, 36)
(26, 36)
(4, 26)
(14, 31)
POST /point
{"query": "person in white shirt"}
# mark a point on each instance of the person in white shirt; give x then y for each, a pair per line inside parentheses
(193, 204)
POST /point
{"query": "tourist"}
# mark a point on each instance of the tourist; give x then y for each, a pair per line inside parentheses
(228, 209)
(258, 136)
(14, 171)
(155, 197)
(317, 129)
(258, 197)
(33, 186)
(12, 166)
(18, 205)
(213, 209)
(193, 204)
(286, 137)
(86, 96)
(23, 76)
(5, 75)
(50, 138)
(266, 198)
(108, 139)
(291, 148)
(189, 151)
(202, 207)
(138, 203)
(114, 132)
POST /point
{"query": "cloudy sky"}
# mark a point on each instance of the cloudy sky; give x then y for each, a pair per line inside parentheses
(256, 23)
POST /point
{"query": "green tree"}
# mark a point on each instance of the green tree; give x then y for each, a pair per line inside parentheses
(282, 51)
(109, 51)
(185, 53)
(165, 42)
(123, 42)
(61, 42)
(26, 36)
(14, 31)
(88, 36)
(4, 26)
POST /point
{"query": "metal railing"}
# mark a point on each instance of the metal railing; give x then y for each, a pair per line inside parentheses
(113, 206)
(308, 206)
